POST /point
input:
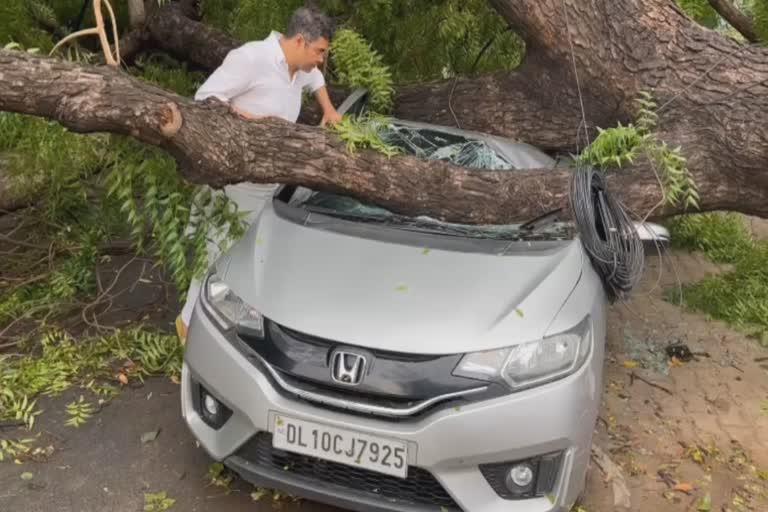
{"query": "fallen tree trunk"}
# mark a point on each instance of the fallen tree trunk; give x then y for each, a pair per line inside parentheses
(217, 147)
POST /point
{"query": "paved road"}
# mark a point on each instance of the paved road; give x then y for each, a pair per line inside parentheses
(104, 466)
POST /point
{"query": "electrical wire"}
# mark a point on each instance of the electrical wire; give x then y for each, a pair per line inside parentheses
(607, 233)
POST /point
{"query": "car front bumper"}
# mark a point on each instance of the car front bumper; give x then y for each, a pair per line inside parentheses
(447, 445)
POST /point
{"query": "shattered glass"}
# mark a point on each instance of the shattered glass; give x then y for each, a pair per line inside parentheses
(433, 145)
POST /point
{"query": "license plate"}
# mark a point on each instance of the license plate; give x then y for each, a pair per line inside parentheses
(338, 445)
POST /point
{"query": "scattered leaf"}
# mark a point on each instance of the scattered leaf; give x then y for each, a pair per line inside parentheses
(705, 504)
(175, 379)
(630, 364)
(684, 487)
(27, 476)
(401, 288)
(258, 494)
(674, 362)
(148, 437)
(154, 502)
(519, 312)
(123, 378)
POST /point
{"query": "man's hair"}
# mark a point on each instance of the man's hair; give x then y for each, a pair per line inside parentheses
(311, 23)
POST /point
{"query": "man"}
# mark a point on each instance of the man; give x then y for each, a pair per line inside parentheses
(261, 79)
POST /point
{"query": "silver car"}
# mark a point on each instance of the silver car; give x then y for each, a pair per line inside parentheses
(374, 361)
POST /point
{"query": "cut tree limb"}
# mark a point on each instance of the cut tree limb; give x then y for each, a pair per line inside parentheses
(738, 20)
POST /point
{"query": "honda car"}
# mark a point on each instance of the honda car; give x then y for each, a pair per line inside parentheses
(355, 356)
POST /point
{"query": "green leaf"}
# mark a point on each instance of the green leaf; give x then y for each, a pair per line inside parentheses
(148, 437)
(705, 504)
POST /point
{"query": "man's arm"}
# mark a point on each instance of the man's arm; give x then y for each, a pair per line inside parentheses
(330, 115)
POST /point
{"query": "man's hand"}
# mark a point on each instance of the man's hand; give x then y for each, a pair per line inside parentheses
(330, 117)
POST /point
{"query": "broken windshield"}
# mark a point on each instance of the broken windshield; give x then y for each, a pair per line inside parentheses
(434, 145)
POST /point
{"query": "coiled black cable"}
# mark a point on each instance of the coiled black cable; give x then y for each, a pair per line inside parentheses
(608, 234)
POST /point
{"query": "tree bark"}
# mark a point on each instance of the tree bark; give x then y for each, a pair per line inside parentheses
(136, 13)
(736, 18)
(217, 147)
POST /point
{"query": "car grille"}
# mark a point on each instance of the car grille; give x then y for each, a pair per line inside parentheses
(420, 488)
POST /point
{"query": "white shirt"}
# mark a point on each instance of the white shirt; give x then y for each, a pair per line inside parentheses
(255, 78)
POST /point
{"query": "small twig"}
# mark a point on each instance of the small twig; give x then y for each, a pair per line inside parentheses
(22, 243)
(633, 376)
(10, 344)
(450, 102)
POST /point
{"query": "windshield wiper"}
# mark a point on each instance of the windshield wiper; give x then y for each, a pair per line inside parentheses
(424, 226)
(345, 215)
(542, 221)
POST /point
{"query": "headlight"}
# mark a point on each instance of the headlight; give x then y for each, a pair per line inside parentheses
(533, 363)
(229, 310)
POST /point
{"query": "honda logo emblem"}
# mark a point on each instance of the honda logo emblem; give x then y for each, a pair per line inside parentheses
(348, 368)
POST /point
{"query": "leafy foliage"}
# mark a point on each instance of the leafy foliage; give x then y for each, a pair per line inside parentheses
(760, 14)
(622, 144)
(15, 448)
(356, 64)
(364, 132)
(701, 11)
(64, 363)
(615, 146)
(723, 237)
(168, 74)
(154, 502)
(459, 31)
(79, 412)
(396, 29)
(740, 296)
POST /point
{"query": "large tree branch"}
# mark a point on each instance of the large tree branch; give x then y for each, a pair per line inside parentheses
(216, 147)
(738, 20)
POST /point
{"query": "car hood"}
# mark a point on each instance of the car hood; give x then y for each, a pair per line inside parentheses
(402, 297)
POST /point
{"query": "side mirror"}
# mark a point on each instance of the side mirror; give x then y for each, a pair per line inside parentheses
(654, 236)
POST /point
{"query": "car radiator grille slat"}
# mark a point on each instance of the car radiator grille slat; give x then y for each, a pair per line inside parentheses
(420, 488)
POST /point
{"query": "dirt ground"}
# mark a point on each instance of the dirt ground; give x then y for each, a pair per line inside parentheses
(687, 436)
